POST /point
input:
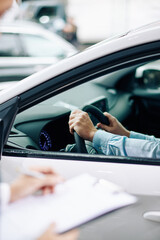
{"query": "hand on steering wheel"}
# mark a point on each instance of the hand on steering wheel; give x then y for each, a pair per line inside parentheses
(80, 144)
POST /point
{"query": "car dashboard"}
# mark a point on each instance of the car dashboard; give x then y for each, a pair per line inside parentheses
(45, 126)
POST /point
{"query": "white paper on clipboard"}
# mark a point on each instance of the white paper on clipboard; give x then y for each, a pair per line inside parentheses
(75, 202)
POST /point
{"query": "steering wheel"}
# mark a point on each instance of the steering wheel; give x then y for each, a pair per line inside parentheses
(80, 143)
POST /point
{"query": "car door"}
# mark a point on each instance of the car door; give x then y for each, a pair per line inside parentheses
(73, 77)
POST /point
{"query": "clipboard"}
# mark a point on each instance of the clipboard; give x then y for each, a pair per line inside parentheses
(75, 202)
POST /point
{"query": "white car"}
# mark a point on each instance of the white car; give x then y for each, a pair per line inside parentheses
(28, 39)
(26, 47)
(119, 75)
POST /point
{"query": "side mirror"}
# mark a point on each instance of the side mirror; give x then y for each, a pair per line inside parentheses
(151, 78)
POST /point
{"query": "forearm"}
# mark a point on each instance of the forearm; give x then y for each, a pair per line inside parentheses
(111, 144)
(137, 135)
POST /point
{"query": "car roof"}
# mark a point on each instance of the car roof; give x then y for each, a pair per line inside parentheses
(147, 34)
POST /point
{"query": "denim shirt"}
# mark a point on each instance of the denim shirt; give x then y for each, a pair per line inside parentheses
(137, 145)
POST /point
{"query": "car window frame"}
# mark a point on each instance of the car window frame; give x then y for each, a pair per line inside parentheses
(81, 74)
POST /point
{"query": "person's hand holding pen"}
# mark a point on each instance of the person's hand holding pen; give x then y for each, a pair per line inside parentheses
(44, 179)
(34, 179)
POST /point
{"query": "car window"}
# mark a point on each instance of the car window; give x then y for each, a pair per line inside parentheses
(10, 45)
(45, 125)
(37, 46)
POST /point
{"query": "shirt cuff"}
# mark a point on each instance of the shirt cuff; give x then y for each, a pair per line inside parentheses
(5, 194)
(100, 139)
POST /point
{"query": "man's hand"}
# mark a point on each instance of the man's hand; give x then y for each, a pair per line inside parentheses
(80, 122)
(27, 185)
(114, 127)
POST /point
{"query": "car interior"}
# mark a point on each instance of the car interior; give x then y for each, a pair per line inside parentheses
(131, 95)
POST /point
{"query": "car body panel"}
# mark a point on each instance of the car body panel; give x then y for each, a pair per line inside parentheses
(128, 176)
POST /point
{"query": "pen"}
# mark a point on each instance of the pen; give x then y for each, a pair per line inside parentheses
(31, 173)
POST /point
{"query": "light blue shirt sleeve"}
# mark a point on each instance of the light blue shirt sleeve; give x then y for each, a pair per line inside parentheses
(137, 145)
(143, 136)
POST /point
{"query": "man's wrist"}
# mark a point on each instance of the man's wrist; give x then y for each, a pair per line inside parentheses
(92, 133)
(128, 133)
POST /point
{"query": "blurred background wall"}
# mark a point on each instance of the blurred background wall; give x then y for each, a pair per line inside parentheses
(99, 19)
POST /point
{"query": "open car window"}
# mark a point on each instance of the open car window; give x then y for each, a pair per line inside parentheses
(125, 94)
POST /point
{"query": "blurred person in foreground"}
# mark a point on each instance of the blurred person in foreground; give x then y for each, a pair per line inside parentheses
(9, 10)
(27, 185)
(24, 186)
(4, 6)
